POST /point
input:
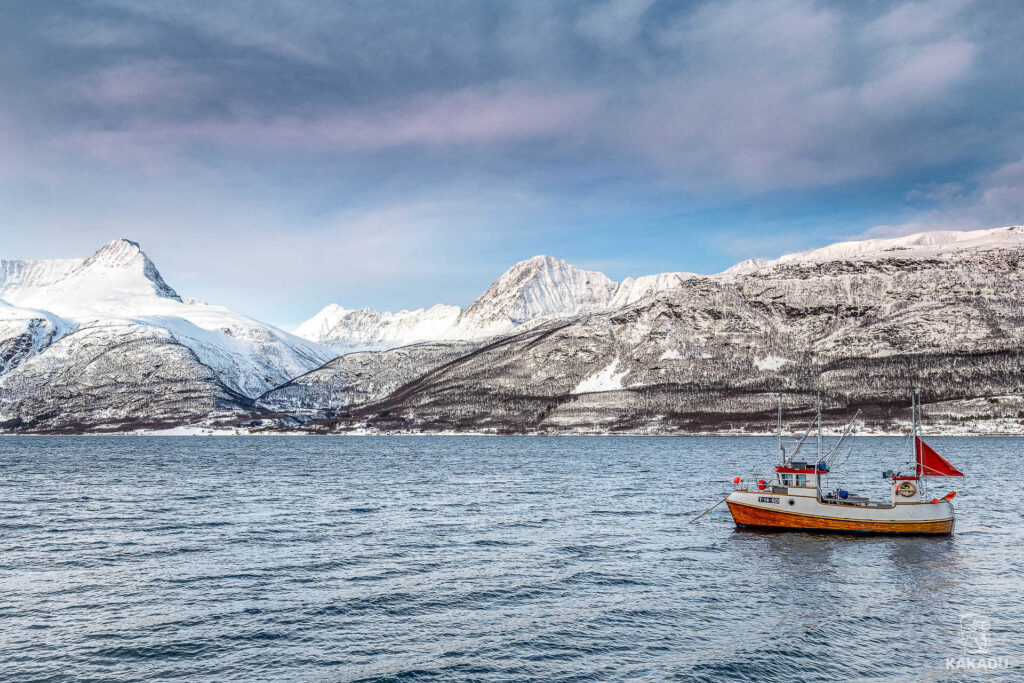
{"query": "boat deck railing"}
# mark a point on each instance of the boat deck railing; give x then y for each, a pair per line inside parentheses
(858, 501)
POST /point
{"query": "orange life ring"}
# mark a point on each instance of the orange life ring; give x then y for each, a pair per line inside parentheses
(762, 484)
(906, 489)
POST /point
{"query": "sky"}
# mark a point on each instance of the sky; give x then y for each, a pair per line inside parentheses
(275, 157)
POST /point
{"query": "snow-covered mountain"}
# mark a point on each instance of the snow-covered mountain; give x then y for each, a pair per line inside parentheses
(116, 280)
(938, 311)
(537, 288)
(530, 292)
(117, 301)
(922, 245)
(104, 342)
(366, 329)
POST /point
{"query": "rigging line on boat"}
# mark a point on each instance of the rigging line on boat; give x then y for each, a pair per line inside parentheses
(907, 445)
(898, 455)
(801, 440)
(833, 454)
(708, 510)
(848, 453)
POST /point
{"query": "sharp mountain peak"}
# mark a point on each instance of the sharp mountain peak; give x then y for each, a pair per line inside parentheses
(126, 254)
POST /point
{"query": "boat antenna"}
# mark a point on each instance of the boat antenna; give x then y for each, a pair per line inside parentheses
(778, 434)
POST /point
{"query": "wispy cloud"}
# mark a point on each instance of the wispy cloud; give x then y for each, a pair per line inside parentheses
(505, 113)
(997, 200)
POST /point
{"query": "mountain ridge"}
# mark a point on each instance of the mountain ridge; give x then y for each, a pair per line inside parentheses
(112, 349)
(116, 303)
(545, 287)
(530, 292)
(714, 352)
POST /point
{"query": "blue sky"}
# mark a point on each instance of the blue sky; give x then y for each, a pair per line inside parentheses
(278, 156)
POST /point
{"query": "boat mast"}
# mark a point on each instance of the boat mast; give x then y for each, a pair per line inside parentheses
(817, 463)
(915, 407)
(913, 428)
(819, 425)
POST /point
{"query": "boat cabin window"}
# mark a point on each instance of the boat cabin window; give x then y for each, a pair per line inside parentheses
(787, 479)
(801, 480)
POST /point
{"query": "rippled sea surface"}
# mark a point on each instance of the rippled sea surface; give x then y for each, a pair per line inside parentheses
(464, 558)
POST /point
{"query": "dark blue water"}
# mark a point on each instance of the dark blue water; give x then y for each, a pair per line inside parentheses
(503, 559)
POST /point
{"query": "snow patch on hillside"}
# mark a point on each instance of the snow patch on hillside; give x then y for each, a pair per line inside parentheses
(609, 379)
(771, 363)
(26, 332)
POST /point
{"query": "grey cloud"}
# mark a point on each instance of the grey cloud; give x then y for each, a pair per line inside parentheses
(788, 94)
(713, 97)
(744, 94)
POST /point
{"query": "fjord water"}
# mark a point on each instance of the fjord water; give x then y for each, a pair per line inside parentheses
(474, 558)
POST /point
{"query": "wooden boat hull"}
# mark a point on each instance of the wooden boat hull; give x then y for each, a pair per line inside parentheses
(759, 517)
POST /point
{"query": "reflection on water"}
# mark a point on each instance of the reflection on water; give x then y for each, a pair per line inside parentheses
(477, 558)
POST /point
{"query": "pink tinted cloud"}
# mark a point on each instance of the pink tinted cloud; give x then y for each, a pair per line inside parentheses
(509, 113)
(769, 94)
(141, 83)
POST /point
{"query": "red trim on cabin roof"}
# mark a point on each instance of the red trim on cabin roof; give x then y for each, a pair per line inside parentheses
(790, 470)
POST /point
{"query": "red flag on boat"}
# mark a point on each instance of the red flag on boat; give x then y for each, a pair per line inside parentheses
(931, 464)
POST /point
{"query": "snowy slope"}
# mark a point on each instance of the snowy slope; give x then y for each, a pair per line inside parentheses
(534, 289)
(112, 282)
(631, 290)
(113, 374)
(366, 329)
(316, 328)
(530, 292)
(120, 283)
(25, 332)
(934, 244)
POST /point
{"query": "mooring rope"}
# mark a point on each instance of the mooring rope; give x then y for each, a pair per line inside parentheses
(708, 510)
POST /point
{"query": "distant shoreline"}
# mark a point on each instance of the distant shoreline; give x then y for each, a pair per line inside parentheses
(354, 434)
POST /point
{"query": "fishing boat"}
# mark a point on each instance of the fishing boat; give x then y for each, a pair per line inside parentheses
(796, 497)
